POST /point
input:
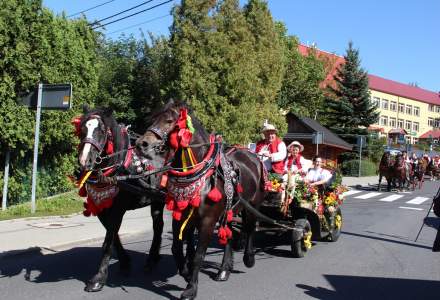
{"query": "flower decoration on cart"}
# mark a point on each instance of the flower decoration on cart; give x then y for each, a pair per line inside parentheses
(334, 198)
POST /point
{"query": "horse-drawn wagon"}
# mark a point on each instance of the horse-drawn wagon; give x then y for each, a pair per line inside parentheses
(307, 213)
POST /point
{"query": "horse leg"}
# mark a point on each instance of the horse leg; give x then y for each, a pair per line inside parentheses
(249, 225)
(123, 257)
(177, 250)
(96, 283)
(154, 253)
(227, 263)
(206, 229)
(380, 180)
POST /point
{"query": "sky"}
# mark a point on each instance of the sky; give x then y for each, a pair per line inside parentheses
(397, 39)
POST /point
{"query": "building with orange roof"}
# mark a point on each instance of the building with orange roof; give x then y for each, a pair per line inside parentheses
(410, 110)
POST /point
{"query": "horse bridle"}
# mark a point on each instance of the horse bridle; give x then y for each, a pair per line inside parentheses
(160, 146)
(94, 142)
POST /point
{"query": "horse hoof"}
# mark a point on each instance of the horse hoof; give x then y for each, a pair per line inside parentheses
(249, 260)
(222, 275)
(189, 294)
(93, 287)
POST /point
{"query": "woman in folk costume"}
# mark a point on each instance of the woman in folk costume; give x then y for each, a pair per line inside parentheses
(295, 162)
(272, 150)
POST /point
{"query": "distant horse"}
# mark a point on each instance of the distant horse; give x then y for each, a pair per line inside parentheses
(432, 170)
(386, 169)
(419, 172)
(204, 181)
(402, 172)
(104, 152)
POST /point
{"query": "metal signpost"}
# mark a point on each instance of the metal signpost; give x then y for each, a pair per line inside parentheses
(360, 143)
(317, 138)
(5, 183)
(47, 96)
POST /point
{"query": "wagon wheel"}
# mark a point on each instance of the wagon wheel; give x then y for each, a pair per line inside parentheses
(335, 226)
(300, 246)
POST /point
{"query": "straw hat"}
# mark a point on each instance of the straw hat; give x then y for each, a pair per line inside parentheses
(268, 127)
(297, 144)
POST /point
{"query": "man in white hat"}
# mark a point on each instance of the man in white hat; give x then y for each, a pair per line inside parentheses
(272, 150)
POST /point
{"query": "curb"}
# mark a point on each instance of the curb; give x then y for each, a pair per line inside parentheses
(61, 247)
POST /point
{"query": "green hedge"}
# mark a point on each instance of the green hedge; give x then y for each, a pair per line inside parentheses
(351, 168)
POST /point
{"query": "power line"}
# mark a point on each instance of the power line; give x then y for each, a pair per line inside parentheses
(149, 21)
(123, 18)
(121, 12)
(83, 11)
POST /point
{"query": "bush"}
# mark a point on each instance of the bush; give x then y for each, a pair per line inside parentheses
(351, 168)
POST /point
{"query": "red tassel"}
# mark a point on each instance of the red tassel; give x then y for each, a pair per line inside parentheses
(177, 215)
(228, 232)
(195, 202)
(86, 213)
(229, 215)
(222, 238)
(76, 122)
(215, 195)
(163, 181)
(109, 149)
(174, 143)
(182, 204)
(170, 203)
(239, 188)
(82, 191)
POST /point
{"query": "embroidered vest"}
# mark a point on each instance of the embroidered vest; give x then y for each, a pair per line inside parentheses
(277, 167)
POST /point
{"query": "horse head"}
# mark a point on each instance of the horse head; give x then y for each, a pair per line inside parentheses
(172, 128)
(95, 130)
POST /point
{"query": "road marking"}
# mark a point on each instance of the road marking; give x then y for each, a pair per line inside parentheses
(369, 195)
(418, 200)
(351, 192)
(413, 208)
(391, 198)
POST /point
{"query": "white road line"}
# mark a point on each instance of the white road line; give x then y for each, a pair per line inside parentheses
(413, 208)
(418, 200)
(351, 192)
(391, 198)
(369, 195)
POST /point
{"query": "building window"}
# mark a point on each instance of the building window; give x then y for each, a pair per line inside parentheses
(393, 122)
(375, 101)
(401, 108)
(393, 105)
(431, 122)
(415, 140)
(436, 123)
(409, 109)
(437, 109)
(384, 104)
(400, 123)
(384, 120)
(431, 107)
(415, 126)
(416, 111)
(407, 125)
(408, 139)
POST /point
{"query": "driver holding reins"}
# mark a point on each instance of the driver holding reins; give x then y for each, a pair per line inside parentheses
(272, 150)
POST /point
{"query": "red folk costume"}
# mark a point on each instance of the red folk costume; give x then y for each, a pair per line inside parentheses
(297, 160)
(277, 167)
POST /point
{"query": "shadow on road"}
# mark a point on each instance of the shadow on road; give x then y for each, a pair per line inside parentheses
(81, 263)
(385, 240)
(357, 287)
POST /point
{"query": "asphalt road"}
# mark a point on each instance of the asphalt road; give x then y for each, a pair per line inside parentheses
(375, 258)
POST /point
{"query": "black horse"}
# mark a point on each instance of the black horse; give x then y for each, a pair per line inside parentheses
(216, 175)
(105, 152)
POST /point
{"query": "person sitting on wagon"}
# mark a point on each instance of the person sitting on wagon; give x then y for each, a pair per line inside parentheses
(317, 176)
(272, 150)
(295, 162)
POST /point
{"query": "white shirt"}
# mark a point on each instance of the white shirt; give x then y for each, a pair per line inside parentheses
(319, 174)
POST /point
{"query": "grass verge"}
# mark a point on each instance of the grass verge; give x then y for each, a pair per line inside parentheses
(60, 205)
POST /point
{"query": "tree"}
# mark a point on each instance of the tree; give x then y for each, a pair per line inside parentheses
(300, 92)
(350, 107)
(36, 46)
(229, 65)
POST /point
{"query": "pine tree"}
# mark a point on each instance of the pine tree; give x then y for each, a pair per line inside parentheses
(350, 107)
